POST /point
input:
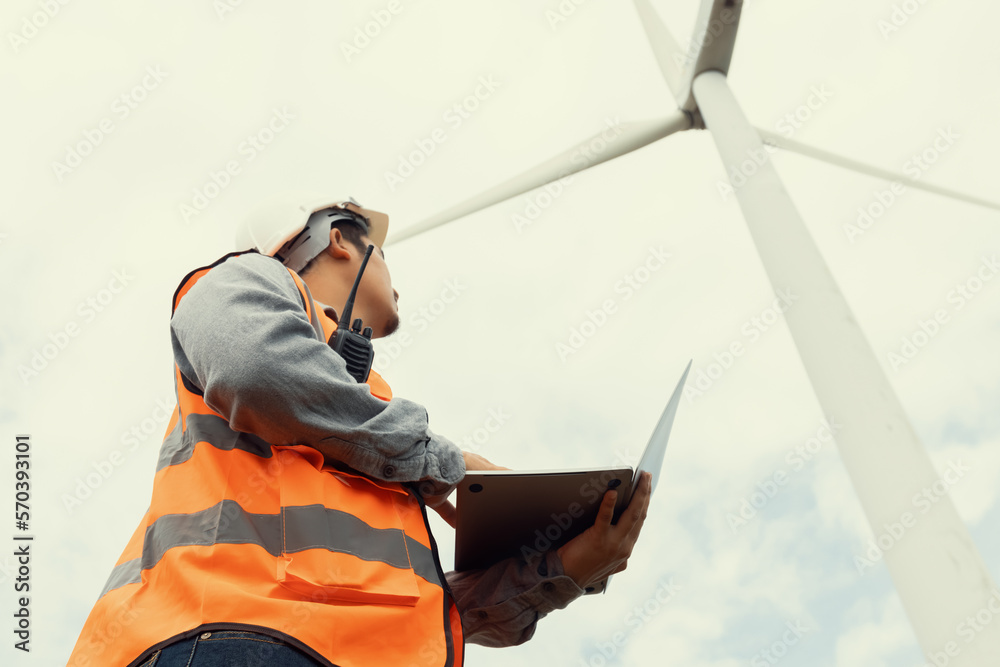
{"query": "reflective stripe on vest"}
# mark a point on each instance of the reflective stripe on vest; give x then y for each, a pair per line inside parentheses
(243, 534)
(302, 527)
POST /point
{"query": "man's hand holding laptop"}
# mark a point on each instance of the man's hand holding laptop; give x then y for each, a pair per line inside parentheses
(604, 549)
(598, 552)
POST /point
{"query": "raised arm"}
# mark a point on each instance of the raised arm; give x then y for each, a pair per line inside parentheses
(242, 336)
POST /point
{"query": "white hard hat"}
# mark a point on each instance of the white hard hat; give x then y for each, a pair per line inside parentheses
(281, 219)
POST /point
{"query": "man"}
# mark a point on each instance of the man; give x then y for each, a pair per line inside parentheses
(287, 524)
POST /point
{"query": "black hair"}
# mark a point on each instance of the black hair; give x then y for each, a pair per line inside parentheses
(352, 231)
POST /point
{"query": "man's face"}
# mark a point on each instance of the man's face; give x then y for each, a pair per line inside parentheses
(376, 292)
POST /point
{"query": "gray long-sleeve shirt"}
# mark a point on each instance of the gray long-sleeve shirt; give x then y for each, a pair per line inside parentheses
(242, 336)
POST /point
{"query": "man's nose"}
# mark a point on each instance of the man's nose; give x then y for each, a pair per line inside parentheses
(396, 295)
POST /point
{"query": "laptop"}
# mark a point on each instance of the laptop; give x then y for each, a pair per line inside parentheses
(504, 513)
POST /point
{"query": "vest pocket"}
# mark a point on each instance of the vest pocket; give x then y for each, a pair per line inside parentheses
(329, 552)
(322, 576)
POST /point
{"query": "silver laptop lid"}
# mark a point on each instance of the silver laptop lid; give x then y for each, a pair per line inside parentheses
(652, 457)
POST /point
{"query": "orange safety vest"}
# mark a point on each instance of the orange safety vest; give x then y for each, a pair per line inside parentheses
(242, 534)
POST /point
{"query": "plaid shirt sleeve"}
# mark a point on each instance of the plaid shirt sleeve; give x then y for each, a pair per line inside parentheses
(501, 605)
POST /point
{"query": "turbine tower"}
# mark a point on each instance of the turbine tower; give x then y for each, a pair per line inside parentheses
(937, 571)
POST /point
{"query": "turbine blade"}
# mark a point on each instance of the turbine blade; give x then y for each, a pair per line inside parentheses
(669, 55)
(625, 138)
(854, 165)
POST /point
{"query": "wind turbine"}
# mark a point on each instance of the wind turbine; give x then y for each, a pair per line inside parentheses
(938, 573)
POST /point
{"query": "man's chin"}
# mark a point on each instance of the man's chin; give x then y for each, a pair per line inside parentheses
(390, 326)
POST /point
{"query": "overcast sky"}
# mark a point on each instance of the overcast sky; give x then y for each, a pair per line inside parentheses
(138, 134)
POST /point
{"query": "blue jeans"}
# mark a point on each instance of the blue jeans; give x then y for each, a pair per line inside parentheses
(229, 648)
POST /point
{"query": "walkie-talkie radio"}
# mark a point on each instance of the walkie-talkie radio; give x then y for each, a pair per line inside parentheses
(355, 344)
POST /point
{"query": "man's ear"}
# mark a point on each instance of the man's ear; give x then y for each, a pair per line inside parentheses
(338, 248)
